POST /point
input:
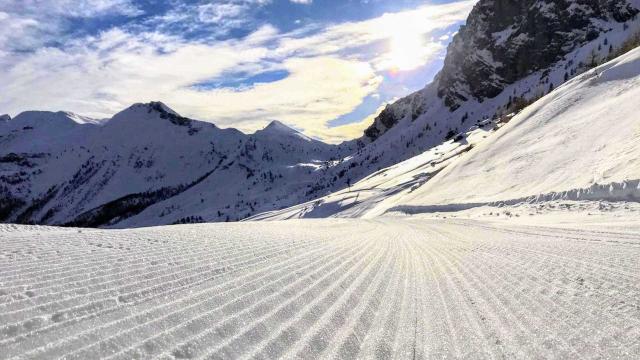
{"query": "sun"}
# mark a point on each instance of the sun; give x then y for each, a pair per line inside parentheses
(405, 50)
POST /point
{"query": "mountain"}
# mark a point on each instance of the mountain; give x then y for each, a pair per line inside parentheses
(489, 74)
(148, 165)
(584, 137)
(61, 168)
(579, 143)
(505, 41)
(271, 169)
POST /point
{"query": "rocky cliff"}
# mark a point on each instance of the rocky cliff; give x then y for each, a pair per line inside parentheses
(505, 41)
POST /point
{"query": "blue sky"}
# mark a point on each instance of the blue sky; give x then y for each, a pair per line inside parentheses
(324, 66)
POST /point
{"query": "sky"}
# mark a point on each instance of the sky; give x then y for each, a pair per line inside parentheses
(324, 67)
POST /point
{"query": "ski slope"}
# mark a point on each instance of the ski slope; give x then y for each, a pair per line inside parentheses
(395, 288)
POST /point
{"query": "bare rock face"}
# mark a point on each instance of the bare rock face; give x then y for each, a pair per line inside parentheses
(505, 40)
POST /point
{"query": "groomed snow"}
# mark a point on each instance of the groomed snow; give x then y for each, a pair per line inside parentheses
(395, 288)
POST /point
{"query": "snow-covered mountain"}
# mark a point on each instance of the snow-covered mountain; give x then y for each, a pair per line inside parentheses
(61, 168)
(509, 54)
(581, 142)
(148, 165)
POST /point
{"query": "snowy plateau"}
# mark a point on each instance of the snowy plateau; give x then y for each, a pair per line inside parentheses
(476, 220)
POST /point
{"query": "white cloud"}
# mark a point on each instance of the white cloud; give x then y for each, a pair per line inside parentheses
(219, 17)
(317, 89)
(331, 71)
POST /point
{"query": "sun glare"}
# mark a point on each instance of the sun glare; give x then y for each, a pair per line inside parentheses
(405, 50)
(408, 47)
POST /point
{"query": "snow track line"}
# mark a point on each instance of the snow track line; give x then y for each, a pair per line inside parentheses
(541, 308)
(311, 319)
(193, 301)
(265, 285)
(389, 288)
(468, 312)
(295, 291)
(201, 259)
(484, 284)
(151, 290)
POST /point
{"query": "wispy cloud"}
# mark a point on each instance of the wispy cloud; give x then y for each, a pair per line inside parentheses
(29, 24)
(330, 68)
(207, 19)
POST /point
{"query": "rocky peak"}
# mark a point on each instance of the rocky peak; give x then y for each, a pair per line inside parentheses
(4, 118)
(502, 42)
(151, 110)
(505, 40)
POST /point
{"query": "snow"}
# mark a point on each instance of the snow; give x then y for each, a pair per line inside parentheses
(393, 288)
(579, 143)
(149, 149)
(518, 238)
(584, 134)
(367, 198)
(179, 169)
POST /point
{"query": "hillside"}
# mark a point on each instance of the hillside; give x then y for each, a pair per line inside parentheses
(584, 137)
(488, 74)
(580, 142)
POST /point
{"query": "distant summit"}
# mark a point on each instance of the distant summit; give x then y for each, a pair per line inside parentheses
(277, 128)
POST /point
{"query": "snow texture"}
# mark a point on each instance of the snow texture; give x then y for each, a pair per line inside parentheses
(395, 288)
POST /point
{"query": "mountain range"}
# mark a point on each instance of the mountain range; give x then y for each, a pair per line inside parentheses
(148, 165)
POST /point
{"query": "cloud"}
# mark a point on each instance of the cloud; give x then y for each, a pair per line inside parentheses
(219, 18)
(29, 24)
(331, 69)
(317, 89)
(354, 35)
(108, 72)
